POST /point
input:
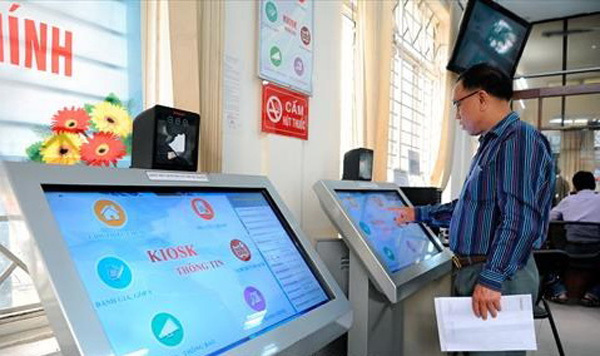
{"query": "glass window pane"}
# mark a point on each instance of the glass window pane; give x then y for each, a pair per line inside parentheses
(551, 112)
(416, 80)
(528, 109)
(584, 78)
(582, 110)
(554, 139)
(583, 46)
(576, 152)
(531, 83)
(543, 51)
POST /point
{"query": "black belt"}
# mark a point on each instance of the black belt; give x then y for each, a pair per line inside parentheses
(464, 261)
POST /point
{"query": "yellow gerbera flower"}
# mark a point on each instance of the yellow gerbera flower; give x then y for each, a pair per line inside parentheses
(61, 149)
(111, 118)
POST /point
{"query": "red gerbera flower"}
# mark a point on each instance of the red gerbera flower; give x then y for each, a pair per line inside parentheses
(102, 150)
(70, 120)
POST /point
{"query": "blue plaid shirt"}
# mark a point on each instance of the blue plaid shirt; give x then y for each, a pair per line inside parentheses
(503, 209)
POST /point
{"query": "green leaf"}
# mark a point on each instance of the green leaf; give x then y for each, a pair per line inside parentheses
(93, 128)
(88, 108)
(33, 152)
(128, 141)
(113, 99)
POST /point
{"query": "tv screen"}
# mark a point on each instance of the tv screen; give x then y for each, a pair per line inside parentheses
(373, 214)
(184, 271)
(489, 33)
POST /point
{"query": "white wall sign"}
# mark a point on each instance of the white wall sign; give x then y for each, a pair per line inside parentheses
(286, 43)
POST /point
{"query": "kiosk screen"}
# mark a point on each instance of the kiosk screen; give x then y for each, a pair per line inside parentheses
(184, 272)
(372, 212)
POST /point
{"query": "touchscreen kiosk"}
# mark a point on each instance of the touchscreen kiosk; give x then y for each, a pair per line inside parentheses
(398, 258)
(136, 262)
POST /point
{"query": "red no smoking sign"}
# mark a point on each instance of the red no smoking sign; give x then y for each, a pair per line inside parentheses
(284, 112)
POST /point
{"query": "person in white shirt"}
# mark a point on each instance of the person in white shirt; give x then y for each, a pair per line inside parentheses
(583, 206)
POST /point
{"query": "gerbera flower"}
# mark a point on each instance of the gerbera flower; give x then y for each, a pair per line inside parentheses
(70, 120)
(61, 149)
(111, 118)
(103, 149)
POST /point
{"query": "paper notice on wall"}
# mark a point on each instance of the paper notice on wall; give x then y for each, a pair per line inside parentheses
(231, 91)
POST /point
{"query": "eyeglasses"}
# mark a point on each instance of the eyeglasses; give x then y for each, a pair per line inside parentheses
(456, 103)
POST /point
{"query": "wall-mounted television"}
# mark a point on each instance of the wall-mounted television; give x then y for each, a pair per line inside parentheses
(489, 33)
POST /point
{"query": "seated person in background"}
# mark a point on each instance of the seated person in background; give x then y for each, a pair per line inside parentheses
(583, 206)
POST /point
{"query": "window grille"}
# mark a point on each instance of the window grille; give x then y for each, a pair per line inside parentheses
(416, 95)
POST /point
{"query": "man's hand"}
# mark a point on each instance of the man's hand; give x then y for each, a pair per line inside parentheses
(484, 300)
(404, 215)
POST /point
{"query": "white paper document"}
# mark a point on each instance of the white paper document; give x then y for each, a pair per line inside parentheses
(460, 330)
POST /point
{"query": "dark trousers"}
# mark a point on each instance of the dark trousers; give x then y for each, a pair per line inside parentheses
(524, 281)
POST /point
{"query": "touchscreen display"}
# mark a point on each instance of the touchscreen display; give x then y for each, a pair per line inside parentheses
(373, 214)
(184, 273)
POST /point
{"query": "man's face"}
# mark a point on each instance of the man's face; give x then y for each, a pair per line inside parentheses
(467, 108)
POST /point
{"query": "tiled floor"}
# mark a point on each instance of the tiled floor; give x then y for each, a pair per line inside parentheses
(578, 327)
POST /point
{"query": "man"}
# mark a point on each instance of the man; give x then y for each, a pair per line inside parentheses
(583, 206)
(503, 210)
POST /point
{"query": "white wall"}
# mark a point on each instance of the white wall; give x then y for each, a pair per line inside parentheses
(292, 165)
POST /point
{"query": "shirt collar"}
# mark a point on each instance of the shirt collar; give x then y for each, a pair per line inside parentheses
(586, 191)
(500, 127)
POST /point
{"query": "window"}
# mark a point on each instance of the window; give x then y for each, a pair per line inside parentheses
(68, 53)
(350, 130)
(570, 60)
(417, 92)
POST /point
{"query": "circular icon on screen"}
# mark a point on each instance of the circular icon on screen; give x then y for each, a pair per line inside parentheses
(167, 329)
(365, 227)
(203, 209)
(114, 272)
(389, 254)
(276, 56)
(110, 213)
(255, 299)
(271, 11)
(240, 250)
(305, 35)
(299, 66)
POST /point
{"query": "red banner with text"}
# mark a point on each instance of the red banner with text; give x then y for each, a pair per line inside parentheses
(284, 112)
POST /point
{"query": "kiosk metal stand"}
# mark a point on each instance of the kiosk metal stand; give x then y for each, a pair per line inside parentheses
(382, 328)
(377, 327)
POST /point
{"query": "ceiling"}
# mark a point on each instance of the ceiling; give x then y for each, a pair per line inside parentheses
(537, 10)
(544, 53)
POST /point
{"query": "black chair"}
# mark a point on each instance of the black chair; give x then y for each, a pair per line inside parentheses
(557, 235)
(558, 232)
(548, 261)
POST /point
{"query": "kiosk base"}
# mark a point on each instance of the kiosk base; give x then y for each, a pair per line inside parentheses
(381, 328)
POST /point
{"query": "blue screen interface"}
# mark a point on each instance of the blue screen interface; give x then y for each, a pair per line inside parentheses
(184, 273)
(373, 214)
